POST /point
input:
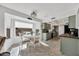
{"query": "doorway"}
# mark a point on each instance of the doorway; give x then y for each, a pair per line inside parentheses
(66, 29)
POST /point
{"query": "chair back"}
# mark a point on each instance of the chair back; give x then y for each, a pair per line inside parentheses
(15, 51)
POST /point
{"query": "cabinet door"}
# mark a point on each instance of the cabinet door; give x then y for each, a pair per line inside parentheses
(69, 46)
(72, 21)
(46, 26)
(77, 20)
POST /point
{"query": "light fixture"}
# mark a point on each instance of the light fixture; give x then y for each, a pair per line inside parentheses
(34, 13)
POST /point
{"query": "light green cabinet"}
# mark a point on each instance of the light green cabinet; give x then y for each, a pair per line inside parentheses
(70, 46)
(72, 21)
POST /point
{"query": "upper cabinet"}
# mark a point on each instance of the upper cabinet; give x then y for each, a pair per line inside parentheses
(77, 20)
(46, 26)
(72, 21)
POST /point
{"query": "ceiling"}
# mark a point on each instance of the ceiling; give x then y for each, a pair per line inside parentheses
(45, 10)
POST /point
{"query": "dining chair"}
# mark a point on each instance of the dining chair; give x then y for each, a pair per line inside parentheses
(14, 51)
(35, 41)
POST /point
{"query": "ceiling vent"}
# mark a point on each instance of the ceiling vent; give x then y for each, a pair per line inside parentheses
(29, 18)
(53, 18)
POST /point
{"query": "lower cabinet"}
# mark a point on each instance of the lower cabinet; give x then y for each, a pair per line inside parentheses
(69, 47)
(44, 36)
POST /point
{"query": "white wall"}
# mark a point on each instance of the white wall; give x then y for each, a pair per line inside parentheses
(10, 23)
(9, 17)
(60, 23)
(61, 29)
(1, 22)
(4, 10)
(5, 21)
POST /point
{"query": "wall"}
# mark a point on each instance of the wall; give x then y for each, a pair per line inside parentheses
(6, 21)
(68, 13)
(60, 23)
(10, 23)
(3, 10)
(61, 29)
(1, 22)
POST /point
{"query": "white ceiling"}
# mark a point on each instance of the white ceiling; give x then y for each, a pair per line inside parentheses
(45, 10)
